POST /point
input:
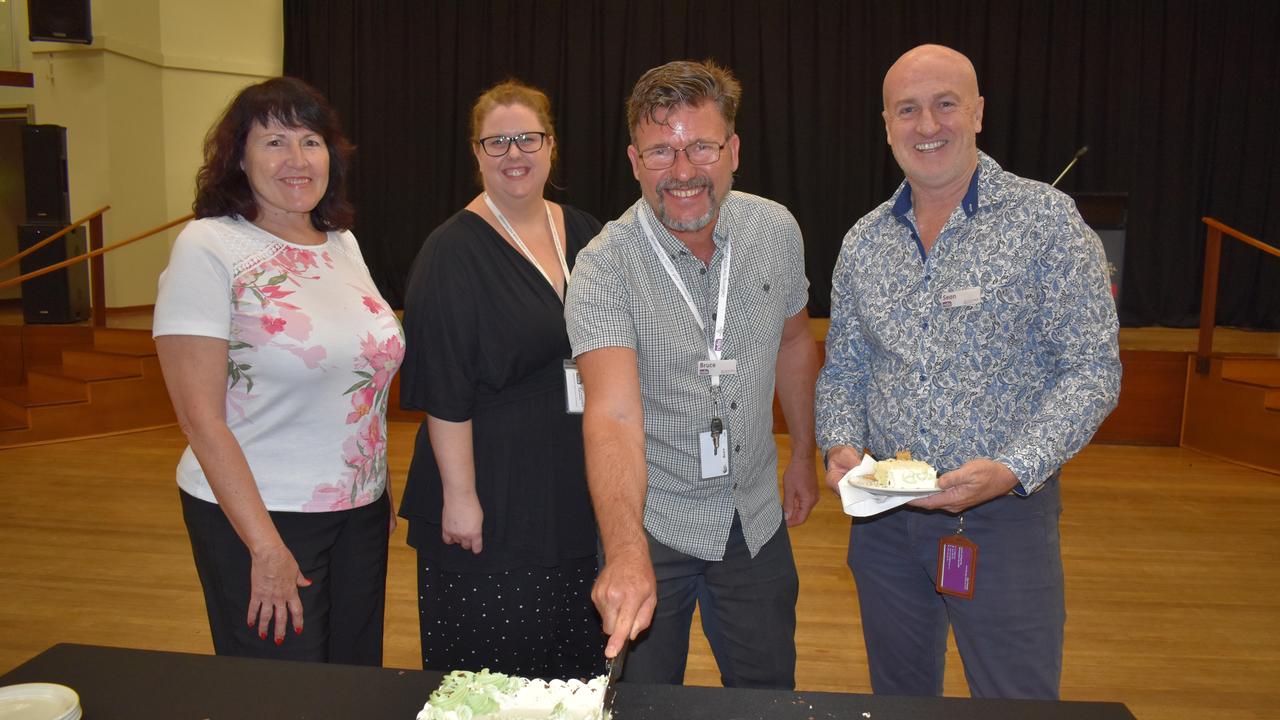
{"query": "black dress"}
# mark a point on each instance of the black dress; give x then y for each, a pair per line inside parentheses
(486, 342)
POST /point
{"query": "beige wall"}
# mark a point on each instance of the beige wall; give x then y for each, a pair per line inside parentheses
(137, 104)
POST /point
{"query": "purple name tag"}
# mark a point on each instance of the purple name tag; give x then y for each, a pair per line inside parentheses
(957, 562)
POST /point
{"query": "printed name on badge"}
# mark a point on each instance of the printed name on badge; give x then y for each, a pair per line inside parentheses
(717, 367)
(962, 297)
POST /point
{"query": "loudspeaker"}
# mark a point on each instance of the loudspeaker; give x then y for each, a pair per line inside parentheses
(59, 21)
(44, 169)
(61, 296)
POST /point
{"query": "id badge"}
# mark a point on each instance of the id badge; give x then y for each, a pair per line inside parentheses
(715, 460)
(957, 566)
(575, 398)
(717, 367)
(962, 297)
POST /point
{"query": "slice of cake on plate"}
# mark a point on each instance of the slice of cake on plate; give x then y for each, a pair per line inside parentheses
(465, 695)
(903, 473)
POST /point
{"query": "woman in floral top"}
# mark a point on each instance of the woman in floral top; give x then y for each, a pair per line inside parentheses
(278, 352)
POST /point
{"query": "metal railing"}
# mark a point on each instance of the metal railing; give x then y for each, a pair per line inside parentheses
(97, 274)
(1209, 290)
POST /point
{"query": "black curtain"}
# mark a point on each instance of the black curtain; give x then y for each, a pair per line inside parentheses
(1176, 100)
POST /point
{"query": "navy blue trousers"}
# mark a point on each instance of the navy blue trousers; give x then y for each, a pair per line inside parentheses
(748, 608)
(1009, 634)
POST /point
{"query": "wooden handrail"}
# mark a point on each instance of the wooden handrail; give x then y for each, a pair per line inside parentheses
(1241, 236)
(1209, 288)
(95, 214)
(96, 230)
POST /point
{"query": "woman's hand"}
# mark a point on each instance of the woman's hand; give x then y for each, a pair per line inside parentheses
(274, 580)
(462, 522)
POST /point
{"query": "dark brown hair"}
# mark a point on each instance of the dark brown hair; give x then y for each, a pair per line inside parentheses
(683, 83)
(222, 188)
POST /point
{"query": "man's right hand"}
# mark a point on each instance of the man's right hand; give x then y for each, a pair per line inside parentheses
(626, 594)
(840, 460)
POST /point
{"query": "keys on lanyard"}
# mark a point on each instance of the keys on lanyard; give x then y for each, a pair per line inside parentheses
(717, 427)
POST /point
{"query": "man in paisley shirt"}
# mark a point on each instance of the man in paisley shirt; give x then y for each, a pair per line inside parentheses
(971, 323)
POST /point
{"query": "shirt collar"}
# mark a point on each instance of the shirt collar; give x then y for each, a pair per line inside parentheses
(672, 244)
(902, 203)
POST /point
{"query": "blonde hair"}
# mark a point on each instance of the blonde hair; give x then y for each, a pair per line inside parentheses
(514, 92)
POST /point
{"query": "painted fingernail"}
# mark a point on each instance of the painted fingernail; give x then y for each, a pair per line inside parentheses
(250, 623)
(279, 641)
(297, 631)
(262, 635)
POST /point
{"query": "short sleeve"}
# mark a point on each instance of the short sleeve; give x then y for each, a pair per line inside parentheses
(194, 296)
(598, 305)
(442, 343)
(798, 299)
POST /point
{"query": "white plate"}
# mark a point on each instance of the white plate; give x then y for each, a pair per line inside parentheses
(856, 482)
(39, 701)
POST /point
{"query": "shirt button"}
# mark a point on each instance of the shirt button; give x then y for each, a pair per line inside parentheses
(733, 406)
(925, 326)
(921, 378)
(927, 278)
(735, 486)
(737, 448)
(924, 431)
(703, 271)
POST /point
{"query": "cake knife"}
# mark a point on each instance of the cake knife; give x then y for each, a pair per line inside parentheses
(614, 668)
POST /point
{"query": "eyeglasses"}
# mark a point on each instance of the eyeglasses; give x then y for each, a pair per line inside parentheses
(499, 145)
(698, 153)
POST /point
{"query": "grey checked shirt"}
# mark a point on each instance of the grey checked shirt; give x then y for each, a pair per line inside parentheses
(620, 296)
(1023, 374)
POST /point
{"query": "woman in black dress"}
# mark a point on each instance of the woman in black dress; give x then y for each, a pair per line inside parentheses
(497, 497)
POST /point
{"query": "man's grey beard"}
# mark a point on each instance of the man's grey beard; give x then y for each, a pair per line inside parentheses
(697, 223)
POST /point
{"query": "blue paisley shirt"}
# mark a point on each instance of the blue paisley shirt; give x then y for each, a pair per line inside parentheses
(1001, 343)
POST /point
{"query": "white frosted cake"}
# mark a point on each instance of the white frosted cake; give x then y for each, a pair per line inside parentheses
(903, 473)
(485, 695)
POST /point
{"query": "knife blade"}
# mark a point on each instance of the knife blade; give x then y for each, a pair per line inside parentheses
(614, 668)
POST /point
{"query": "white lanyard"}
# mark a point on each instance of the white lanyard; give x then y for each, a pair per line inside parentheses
(716, 348)
(524, 249)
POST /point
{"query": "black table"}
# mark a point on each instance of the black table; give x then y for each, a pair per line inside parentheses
(145, 684)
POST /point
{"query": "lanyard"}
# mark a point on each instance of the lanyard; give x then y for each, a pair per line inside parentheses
(524, 249)
(716, 348)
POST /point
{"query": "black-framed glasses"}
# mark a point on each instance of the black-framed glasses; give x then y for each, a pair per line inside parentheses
(499, 145)
(700, 152)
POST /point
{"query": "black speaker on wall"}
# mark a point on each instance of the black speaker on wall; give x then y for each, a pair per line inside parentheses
(59, 21)
(62, 296)
(44, 169)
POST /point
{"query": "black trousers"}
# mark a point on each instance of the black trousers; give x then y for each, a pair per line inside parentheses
(532, 621)
(342, 553)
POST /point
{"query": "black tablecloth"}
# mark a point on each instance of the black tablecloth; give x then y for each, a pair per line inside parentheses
(144, 684)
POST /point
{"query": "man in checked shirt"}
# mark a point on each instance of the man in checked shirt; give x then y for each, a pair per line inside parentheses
(682, 313)
(971, 323)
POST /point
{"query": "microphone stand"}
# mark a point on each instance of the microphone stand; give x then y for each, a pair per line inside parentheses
(1075, 159)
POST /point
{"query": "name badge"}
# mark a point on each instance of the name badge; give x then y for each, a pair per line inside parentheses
(957, 566)
(962, 297)
(717, 367)
(575, 398)
(714, 454)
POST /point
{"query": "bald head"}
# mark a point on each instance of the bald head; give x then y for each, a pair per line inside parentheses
(931, 61)
(932, 116)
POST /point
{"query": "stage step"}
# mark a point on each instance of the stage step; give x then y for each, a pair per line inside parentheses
(111, 387)
(1233, 411)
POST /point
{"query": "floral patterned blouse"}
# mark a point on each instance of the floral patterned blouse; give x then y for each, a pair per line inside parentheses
(312, 349)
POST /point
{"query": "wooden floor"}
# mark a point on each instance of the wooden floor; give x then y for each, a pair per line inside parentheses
(1171, 557)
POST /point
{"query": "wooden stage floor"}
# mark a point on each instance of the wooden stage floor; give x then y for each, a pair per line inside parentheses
(1172, 598)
